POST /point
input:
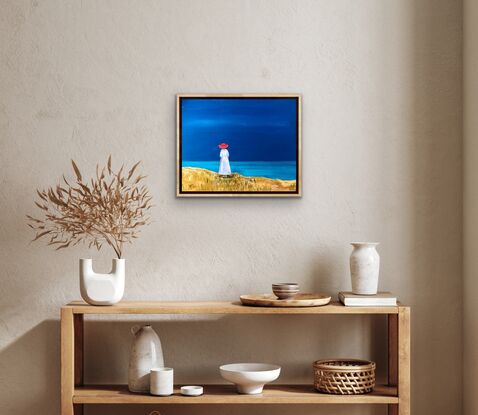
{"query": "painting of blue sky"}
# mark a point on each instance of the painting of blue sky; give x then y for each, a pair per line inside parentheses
(240, 138)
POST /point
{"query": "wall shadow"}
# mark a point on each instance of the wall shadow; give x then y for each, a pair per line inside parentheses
(32, 357)
(195, 348)
(436, 196)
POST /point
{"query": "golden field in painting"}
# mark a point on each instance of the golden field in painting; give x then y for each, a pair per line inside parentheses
(202, 180)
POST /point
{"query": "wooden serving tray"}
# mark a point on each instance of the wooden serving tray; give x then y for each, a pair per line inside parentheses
(299, 300)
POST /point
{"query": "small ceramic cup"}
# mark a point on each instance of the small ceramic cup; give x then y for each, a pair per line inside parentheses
(285, 290)
(162, 381)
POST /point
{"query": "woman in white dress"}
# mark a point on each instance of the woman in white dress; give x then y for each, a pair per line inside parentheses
(224, 166)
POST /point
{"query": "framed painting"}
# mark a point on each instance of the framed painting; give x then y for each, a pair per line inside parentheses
(238, 145)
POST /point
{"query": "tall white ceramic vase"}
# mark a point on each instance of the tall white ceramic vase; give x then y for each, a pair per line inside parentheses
(146, 354)
(102, 289)
(364, 268)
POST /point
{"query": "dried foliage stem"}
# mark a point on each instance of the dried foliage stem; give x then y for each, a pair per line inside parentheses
(109, 208)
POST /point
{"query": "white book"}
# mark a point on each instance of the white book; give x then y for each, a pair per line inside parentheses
(381, 299)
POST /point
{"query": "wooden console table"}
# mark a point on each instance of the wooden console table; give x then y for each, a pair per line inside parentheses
(74, 394)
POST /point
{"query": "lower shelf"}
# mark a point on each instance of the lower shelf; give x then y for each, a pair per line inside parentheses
(226, 394)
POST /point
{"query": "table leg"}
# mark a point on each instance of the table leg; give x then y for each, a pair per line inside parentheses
(78, 341)
(67, 362)
(393, 357)
(404, 360)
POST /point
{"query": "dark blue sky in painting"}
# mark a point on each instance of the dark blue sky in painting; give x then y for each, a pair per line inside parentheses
(256, 129)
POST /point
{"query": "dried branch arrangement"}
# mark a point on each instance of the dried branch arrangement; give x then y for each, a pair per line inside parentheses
(109, 208)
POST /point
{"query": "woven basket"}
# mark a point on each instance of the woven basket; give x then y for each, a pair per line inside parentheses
(344, 376)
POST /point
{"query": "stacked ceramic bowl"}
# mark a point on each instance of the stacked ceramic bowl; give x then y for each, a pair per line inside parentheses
(285, 290)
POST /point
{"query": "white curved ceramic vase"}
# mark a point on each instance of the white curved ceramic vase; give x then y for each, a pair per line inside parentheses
(102, 289)
(364, 268)
(146, 354)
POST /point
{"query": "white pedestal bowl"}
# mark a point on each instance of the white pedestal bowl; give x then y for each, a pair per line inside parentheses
(250, 378)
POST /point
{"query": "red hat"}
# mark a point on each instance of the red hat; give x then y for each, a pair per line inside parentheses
(223, 145)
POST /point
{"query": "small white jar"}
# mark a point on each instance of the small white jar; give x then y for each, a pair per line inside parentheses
(162, 381)
(364, 268)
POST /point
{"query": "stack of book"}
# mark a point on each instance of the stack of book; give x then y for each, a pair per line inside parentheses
(381, 299)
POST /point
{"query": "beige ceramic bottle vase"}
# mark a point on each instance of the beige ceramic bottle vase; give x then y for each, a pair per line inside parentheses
(364, 268)
(146, 353)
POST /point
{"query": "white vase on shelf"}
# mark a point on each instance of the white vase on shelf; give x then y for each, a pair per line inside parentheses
(146, 354)
(364, 268)
(102, 289)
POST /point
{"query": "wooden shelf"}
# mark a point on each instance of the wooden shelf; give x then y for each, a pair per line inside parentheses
(217, 307)
(74, 395)
(226, 394)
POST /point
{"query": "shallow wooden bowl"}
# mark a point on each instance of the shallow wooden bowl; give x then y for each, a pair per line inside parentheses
(298, 300)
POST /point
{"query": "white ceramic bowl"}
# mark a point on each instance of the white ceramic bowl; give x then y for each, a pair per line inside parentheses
(250, 378)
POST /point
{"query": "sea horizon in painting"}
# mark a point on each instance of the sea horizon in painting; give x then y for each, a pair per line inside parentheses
(239, 144)
(282, 170)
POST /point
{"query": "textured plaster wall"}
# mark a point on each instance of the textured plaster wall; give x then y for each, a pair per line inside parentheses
(381, 85)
